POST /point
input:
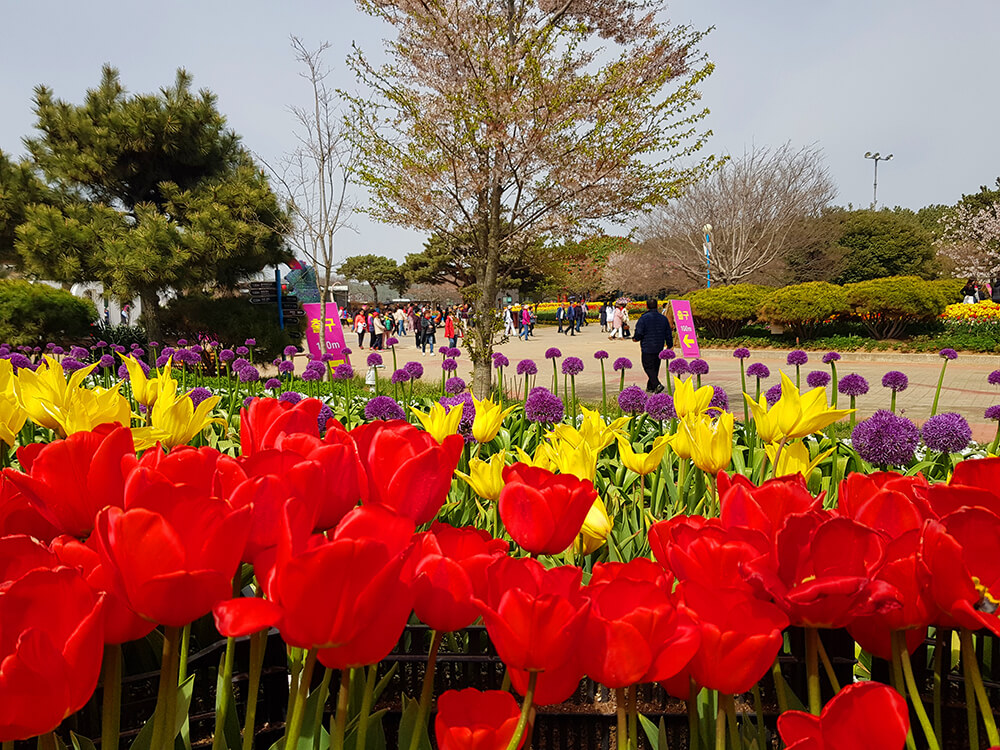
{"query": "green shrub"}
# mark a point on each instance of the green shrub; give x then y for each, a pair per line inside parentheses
(802, 307)
(231, 321)
(949, 290)
(37, 313)
(725, 310)
(889, 305)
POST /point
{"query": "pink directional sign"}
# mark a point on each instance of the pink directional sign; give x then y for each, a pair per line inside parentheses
(335, 343)
(687, 337)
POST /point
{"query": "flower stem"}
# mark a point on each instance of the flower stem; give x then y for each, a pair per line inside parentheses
(293, 729)
(222, 704)
(833, 385)
(720, 726)
(694, 731)
(621, 739)
(730, 704)
(47, 741)
(937, 392)
(324, 693)
(522, 722)
(969, 656)
(111, 702)
(892, 401)
(257, 644)
(812, 671)
(779, 686)
(758, 708)
(166, 698)
(939, 641)
(633, 718)
(340, 718)
(427, 691)
(827, 665)
(604, 390)
(743, 383)
(996, 441)
(899, 645)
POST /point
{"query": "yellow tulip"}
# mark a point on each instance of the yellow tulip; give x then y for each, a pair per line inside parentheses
(68, 407)
(596, 527)
(12, 416)
(439, 422)
(144, 389)
(794, 415)
(593, 430)
(489, 419)
(88, 408)
(643, 463)
(485, 477)
(765, 422)
(687, 400)
(174, 419)
(711, 442)
(794, 459)
(579, 460)
(541, 459)
(680, 442)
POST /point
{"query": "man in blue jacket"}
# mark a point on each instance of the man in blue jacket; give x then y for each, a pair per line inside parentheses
(652, 331)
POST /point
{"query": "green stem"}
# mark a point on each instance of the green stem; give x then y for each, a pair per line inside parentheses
(295, 671)
(892, 401)
(293, 729)
(572, 380)
(555, 378)
(969, 655)
(257, 644)
(758, 708)
(896, 678)
(111, 702)
(730, 705)
(996, 441)
(633, 718)
(939, 643)
(970, 705)
(621, 739)
(720, 726)
(166, 698)
(366, 707)
(47, 741)
(834, 385)
(182, 669)
(827, 665)
(604, 390)
(743, 383)
(222, 704)
(854, 414)
(937, 392)
(779, 686)
(522, 722)
(899, 645)
(694, 731)
(340, 718)
(427, 691)
(812, 671)
(777, 458)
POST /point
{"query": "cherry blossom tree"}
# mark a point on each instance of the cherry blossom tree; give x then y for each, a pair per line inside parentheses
(971, 240)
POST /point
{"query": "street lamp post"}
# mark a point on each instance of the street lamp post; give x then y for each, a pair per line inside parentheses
(876, 157)
(707, 229)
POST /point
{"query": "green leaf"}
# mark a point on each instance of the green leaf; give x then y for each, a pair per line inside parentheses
(657, 735)
(144, 739)
(407, 725)
(80, 742)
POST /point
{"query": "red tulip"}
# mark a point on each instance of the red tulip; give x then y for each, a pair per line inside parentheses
(889, 503)
(173, 551)
(862, 716)
(409, 472)
(822, 571)
(50, 650)
(972, 484)
(764, 508)
(365, 600)
(266, 419)
(634, 633)
(553, 686)
(701, 550)
(18, 516)
(740, 637)
(451, 572)
(473, 720)
(544, 512)
(534, 616)
(69, 481)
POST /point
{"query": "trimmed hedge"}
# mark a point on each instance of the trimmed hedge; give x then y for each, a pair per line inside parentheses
(802, 307)
(725, 309)
(889, 305)
(38, 313)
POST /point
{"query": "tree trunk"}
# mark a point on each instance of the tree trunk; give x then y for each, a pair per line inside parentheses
(484, 323)
(151, 314)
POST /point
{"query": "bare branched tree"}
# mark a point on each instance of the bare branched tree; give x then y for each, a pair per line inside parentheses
(757, 204)
(316, 176)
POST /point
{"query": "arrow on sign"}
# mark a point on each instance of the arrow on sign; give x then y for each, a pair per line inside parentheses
(688, 341)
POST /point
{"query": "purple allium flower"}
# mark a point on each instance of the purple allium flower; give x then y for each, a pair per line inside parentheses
(161, 361)
(328, 357)
(895, 380)
(247, 401)
(468, 410)
(499, 360)
(383, 407)
(199, 394)
(72, 365)
(632, 400)
(993, 378)
(818, 379)
(414, 369)
(101, 344)
(622, 363)
(115, 348)
(197, 348)
(948, 353)
(948, 432)
(797, 357)
(773, 394)
(249, 374)
(527, 367)
(552, 352)
(50, 346)
(601, 354)
(454, 385)
(272, 384)
(660, 406)
(169, 351)
(853, 385)
(20, 362)
(343, 372)
(290, 397)
(449, 365)
(667, 354)
(105, 362)
(290, 351)
(324, 416)
(400, 376)
(698, 367)
(758, 370)
(544, 406)
(885, 439)
(720, 399)
(57, 350)
(311, 374)
(239, 364)
(227, 355)
(374, 359)
(79, 353)
(390, 342)
(138, 352)
(679, 367)
(741, 352)
(123, 370)
(993, 413)
(155, 344)
(180, 342)
(443, 350)
(242, 351)
(251, 342)
(454, 351)
(286, 367)
(572, 366)
(830, 357)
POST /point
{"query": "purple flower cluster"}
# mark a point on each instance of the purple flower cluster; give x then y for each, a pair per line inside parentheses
(895, 381)
(226, 355)
(272, 384)
(552, 352)
(199, 394)
(853, 385)
(453, 351)
(758, 370)
(773, 394)
(291, 397)
(993, 413)
(948, 354)
(993, 378)
(667, 354)
(314, 370)
(449, 365)
(324, 416)
(632, 400)
(698, 367)
(948, 432)
(830, 357)
(818, 379)
(249, 374)
(741, 352)
(499, 360)
(679, 367)
(286, 367)
(414, 369)
(572, 366)
(885, 439)
(391, 341)
(527, 367)
(797, 358)
(242, 351)
(400, 376)
(720, 400)
(601, 354)
(290, 350)
(468, 413)
(385, 408)
(454, 385)
(343, 372)
(622, 363)
(374, 359)
(543, 406)
(660, 406)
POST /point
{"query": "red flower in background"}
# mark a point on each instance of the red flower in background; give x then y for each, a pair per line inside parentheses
(266, 419)
(408, 471)
(973, 484)
(173, 551)
(862, 716)
(889, 503)
(50, 650)
(699, 549)
(473, 720)
(345, 595)
(634, 633)
(543, 512)
(765, 508)
(18, 516)
(740, 638)
(69, 481)
(451, 573)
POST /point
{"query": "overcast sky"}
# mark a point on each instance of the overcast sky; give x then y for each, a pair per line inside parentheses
(911, 78)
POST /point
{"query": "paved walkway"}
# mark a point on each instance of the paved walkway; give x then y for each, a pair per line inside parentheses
(965, 388)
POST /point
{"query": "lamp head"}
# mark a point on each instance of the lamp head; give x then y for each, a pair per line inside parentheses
(868, 154)
(888, 157)
(707, 228)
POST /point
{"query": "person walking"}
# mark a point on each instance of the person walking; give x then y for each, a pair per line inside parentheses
(652, 331)
(604, 318)
(584, 309)
(378, 330)
(449, 329)
(428, 330)
(571, 314)
(616, 324)
(508, 321)
(626, 329)
(360, 325)
(581, 316)
(525, 322)
(561, 316)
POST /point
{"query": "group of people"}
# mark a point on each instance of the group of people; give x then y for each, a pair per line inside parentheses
(974, 291)
(572, 316)
(615, 321)
(422, 320)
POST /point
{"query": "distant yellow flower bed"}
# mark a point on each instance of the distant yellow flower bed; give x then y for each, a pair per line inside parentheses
(982, 312)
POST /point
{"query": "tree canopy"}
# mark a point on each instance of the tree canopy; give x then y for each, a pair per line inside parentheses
(884, 243)
(374, 270)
